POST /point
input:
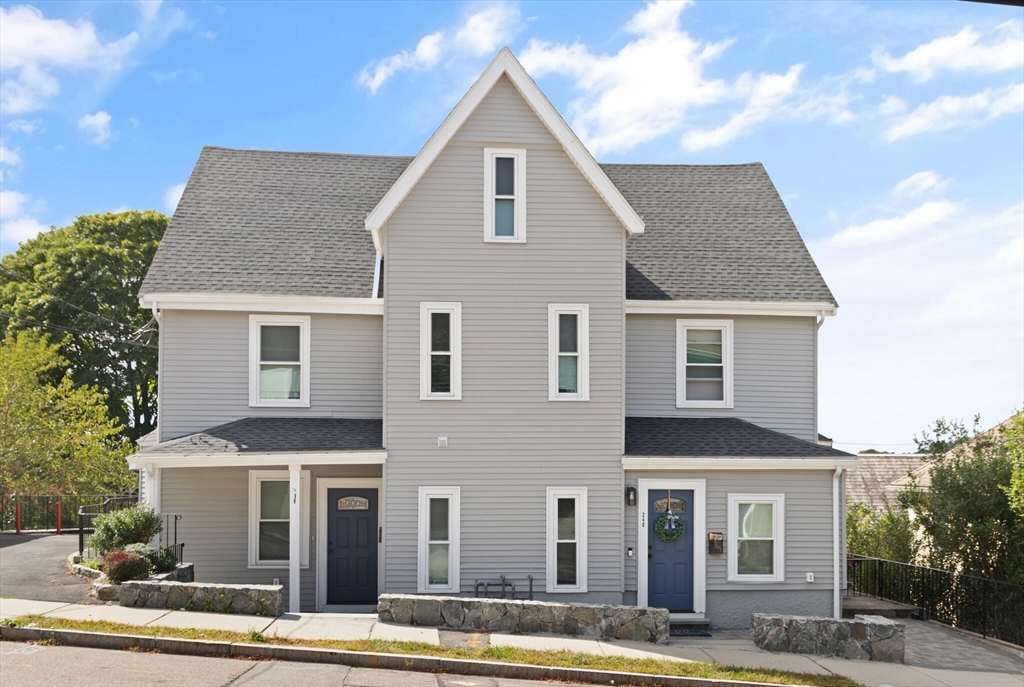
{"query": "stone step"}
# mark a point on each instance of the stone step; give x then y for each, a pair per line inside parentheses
(689, 627)
(869, 605)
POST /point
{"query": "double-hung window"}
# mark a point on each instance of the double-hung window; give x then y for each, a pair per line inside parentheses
(441, 351)
(568, 352)
(279, 360)
(504, 195)
(757, 527)
(704, 363)
(269, 518)
(438, 559)
(567, 539)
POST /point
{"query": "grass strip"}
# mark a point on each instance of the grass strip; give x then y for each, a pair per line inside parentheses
(504, 654)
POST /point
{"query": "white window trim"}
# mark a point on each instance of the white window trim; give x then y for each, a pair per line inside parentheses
(520, 196)
(726, 326)
(255, 322)
(255, 477)
(583, 366)
(778, 502)
(553, 494)
(453, 494)
(455, 310)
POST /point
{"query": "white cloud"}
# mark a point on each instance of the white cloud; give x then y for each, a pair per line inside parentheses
(919, 183)
(25, 126)
(481, 33)
(964, 51)
(14, 231)
(926, 216)
(9, 156)
(1010, 255)
(891, 105)
(172, 196)
(96, 126)
(11, 203)
(948, 112)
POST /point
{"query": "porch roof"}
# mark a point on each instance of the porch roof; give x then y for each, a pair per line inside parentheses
(277, 435)
(725, 437)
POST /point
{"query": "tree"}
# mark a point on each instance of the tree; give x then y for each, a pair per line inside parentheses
(889, 534)
(54, 437)
(82, 280)
(1014, 432)
(875, 452)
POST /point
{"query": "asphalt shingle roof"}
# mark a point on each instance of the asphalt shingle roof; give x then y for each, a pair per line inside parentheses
(279, 434)
(253, 221)
(870, 481)
(715, 437)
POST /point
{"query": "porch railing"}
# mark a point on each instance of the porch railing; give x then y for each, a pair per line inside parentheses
(977, 604)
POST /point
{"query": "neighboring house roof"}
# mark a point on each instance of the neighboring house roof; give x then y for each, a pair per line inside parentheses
(714, 437)
(264, 222)
(278, 435)
(871, 481)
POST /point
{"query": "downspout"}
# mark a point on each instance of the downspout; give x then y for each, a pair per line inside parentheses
(837, 601)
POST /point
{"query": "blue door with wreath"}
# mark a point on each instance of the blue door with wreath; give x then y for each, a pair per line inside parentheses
(670, 550)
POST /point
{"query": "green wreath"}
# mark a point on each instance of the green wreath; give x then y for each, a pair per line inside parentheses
(666, 535)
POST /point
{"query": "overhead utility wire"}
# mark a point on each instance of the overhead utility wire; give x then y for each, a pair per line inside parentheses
(61, 328)
(58, 298)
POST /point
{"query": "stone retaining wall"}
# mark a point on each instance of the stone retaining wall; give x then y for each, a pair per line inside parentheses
(865, 638)
(251, 599)
(501, 615)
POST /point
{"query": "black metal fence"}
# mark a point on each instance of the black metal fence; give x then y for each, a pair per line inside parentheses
(40, 512)
(976, 604)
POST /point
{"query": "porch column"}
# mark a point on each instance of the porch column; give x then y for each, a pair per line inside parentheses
(294, 536)
(153, 487)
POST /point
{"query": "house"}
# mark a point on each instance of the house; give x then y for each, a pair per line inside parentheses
(497, 358)
(876, 478)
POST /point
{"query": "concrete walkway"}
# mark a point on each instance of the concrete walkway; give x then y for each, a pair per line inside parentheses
(936, 656)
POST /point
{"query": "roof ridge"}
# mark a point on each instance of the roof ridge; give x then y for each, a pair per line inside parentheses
(369, 156)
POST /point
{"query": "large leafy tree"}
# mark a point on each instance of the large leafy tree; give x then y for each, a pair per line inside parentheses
(81, 281)
(54, 436)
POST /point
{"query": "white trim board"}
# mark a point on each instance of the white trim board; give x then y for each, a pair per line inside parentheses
(690, 463)
(699, 487)
(140, 461)
(777, 308)
(322, 485)
(255, 302)
(504, 63)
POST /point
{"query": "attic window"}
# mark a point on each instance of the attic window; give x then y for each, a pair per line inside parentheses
(504, 195)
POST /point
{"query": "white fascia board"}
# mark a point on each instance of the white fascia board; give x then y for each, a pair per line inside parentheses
(139, 461)
(249, 302)
(504, 63)
(690, 463)
(777, 308)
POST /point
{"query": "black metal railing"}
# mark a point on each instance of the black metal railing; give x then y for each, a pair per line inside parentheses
(976, 604)
(88, 512)
(178, 550)
(43, 512)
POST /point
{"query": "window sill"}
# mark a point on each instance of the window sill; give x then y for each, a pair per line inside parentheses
(274, 566)
(568, 398)
(440, 398)
(566, 590)
(492, 239)
(279, 404)
(756, 579)
(438, 590)
(703, 404)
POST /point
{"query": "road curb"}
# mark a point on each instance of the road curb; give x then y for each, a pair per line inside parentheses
(359, 659)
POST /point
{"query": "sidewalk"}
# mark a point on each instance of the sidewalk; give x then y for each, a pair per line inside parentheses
(936, 657)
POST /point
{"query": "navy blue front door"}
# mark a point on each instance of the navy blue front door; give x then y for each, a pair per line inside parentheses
(670, 564)
(351, 546)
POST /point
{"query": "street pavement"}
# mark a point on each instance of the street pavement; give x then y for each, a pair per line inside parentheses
(34, 566)
(33, 665)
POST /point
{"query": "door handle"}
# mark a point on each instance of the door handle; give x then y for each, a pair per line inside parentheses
(650, 555)
(330, 550)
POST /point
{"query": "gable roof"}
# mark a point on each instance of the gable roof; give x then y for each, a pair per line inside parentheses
(505, 64)
(869, 483)
(706, 437)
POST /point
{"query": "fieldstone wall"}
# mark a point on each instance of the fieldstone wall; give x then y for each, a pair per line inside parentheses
(865, 638)
(251, 599)
(513, 616)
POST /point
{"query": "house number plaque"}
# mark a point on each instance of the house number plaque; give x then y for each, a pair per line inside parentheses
(353, 503)
(678, 506)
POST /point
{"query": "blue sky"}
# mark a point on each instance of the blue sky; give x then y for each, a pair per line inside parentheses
(893, 131)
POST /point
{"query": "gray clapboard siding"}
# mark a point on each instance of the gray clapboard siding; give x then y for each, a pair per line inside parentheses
(773, 378)
(214, 505)
(507, 442)
(204, 381)
(808, 523)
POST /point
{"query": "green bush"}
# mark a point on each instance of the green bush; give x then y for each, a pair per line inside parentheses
(114, 531)
(92, 564)
(163, 561)
(144, 550)
(120, 566)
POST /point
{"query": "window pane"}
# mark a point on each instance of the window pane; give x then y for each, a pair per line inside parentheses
(440, 332)
(567, 519)
(567, 374)
(755, 520)
(566, 563)
(704, 336)
(279, 343)
(754, 557)
(567, 331)
(505, 218)
(440, 374)
(280, 381)
(273, 541)
(273, 500)
(705, 391)
(437, 564)
(703, 372)
(439, 519)
(703, 353)
(504, 176)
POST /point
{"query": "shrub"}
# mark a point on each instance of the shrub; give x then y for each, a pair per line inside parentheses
(92, 564)
(120, 566)
(135, 525)
(163, 561)
(144, 550)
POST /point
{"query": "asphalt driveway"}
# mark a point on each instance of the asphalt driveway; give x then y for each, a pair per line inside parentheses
(34, 566)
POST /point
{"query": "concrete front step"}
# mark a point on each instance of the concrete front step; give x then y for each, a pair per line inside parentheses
(689, 627)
